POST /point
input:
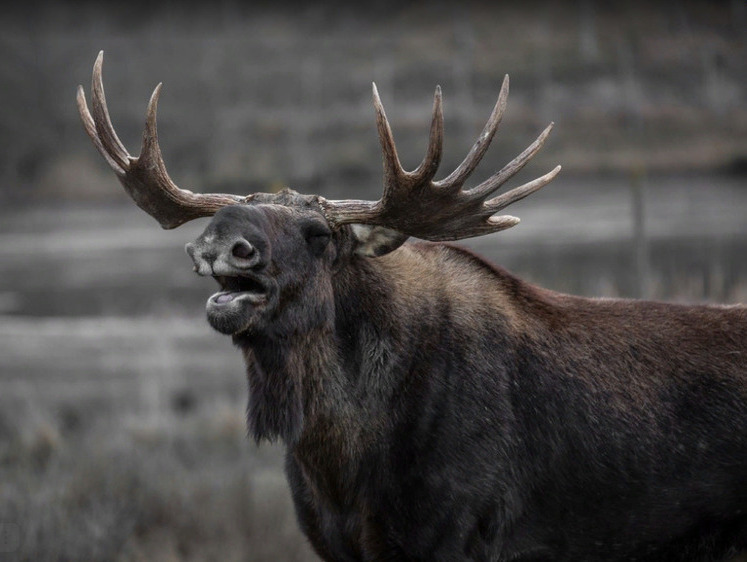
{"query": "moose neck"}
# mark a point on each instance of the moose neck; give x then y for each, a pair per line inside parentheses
(284, 375)
(310, 379)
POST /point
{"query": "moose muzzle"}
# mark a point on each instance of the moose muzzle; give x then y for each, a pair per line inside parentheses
(233, 257)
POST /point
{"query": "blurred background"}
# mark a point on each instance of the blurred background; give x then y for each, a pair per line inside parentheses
(122, 431)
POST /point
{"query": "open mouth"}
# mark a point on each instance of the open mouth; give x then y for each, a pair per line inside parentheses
(239, 288)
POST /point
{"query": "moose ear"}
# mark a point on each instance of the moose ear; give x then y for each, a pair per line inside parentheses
(375, 241)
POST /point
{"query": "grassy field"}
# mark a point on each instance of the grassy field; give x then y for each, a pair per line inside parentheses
(122, 433)
(124, 439)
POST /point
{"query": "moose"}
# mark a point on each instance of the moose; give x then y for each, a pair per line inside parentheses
(434, 406)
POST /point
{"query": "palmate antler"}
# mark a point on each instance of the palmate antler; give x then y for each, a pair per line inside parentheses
(441, 210)
(412, 203)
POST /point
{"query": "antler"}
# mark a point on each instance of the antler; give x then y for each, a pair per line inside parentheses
(414, 204)
(144, 178)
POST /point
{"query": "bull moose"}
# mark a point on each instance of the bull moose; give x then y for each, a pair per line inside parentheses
(435, 407)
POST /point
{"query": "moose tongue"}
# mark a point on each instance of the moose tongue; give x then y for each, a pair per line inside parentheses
(225, 297)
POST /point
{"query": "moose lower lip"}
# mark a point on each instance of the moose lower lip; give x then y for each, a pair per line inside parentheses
(226, 298)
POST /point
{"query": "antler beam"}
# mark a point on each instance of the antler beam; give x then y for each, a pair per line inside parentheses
(144, 178)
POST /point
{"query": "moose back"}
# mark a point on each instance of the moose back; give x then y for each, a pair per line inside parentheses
(435, 407)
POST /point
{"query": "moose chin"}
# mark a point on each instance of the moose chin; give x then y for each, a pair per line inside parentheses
(435, 407)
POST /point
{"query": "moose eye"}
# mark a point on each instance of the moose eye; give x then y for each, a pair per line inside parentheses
(317, 237)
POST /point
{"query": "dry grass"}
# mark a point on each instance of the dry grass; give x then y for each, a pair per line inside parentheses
(189, 488)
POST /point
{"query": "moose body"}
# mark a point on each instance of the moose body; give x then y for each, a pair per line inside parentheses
(438, 408)
(435, 407)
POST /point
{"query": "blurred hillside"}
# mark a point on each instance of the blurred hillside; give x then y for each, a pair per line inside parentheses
(274, 94)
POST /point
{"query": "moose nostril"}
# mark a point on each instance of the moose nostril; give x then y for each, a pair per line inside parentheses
(243, 250)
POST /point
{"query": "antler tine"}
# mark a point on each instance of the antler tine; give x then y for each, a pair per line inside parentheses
(457, 178)
(509, 170)
(103, 121)
(144, 178)
(432, 159)
(393, 170)
(150, 151)
(502, 201)
(90, 127)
